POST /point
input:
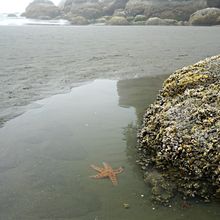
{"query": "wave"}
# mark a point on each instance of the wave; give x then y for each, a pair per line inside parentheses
(17, 20)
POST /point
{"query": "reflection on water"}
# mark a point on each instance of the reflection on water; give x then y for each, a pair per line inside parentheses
(139, 93)
(45, 156)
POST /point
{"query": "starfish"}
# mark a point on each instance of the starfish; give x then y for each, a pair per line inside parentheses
(107, 171)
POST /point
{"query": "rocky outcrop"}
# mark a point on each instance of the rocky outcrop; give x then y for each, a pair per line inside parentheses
(93, 9)
(137, 7)
(136, 12)
(159, 21)
(181, 132)
(207, 16)
(42, 9)
(109, 7)
(164, 9)
(177, 10)
(78, 20)
(101, 20)
(140, 18)
(90, 11)
(118, 20)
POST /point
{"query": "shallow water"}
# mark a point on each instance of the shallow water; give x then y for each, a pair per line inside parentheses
(39, 61)
(45, 157)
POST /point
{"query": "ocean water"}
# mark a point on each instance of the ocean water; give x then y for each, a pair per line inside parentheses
(80, 93)
(6, 20)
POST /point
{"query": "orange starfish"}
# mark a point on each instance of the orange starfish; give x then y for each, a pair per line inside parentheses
(107, 171)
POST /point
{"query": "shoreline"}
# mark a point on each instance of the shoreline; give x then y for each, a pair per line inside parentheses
(154, 21)
(36, 63)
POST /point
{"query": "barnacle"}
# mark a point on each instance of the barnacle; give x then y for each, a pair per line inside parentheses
(181, 130)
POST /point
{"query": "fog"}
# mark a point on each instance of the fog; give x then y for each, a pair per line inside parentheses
(10, 6)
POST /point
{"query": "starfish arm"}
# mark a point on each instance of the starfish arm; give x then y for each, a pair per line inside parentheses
(98, 176)
(119, 170)
(96, 168)
(106, 165)
(113, 178)
(107, 171)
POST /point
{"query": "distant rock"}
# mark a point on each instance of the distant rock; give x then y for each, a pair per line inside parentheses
(101, 20)
(92, 10)
(12, 15)
(79, 20)
(137, 20)
(140, 18)
(44, 18)
(134, 11)
(207, 16)
(159, 21)
(109, 6)
(42, 9)
(89, 12)
(117, 20)
(136, 7)
(119, 12)
(165, 9)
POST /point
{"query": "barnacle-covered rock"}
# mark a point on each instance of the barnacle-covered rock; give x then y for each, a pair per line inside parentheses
(207, 16)
(162, 190)
(180, 137)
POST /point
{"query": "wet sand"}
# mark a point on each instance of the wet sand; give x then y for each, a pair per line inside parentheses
(45, 157)
(39, 61)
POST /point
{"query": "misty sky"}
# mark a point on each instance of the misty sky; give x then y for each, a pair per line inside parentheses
(16, 5)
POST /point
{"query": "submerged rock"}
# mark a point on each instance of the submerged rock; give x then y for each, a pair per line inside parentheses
(162, 191)
(207, 16)
(180, 137)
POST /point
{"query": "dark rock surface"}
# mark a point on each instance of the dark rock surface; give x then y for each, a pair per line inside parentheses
(94, 10)
(180, 137)
(178, 10)
(42, 9)
(164, 9)
(207, 16)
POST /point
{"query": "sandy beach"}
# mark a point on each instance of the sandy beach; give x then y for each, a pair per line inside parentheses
(39, 61)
